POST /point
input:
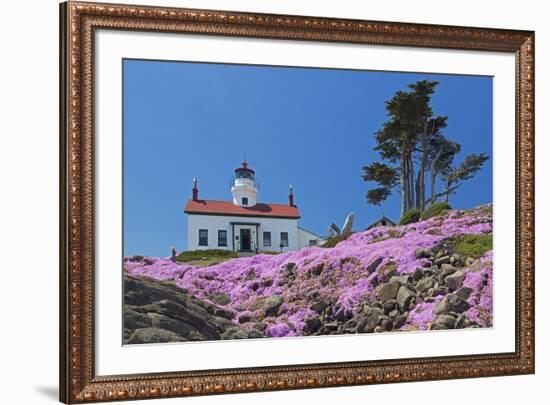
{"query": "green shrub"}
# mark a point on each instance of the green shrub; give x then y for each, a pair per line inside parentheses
(410, 216)
(192, 255)
(472, 245)
(435, 210)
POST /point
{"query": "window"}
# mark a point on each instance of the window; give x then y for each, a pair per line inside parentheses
(222, 237)
(284, 239)
(312, 242)
(383, 222)
(244, 201)
(267, 238)
(203, 237)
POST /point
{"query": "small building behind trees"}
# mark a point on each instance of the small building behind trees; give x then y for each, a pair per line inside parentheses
(382, 221)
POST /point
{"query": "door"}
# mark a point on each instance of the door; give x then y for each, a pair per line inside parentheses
(245, 239)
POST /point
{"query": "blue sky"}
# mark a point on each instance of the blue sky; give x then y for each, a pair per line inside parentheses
(312, 128)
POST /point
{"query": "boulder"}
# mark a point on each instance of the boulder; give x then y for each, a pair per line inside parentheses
(424, 285)
(388, 291)
(404, 297)
(464, 292)
(374, 264)
(389, 306)
(451, 302)
(454, 281)
(442, 260)
(419, 253)
(255, 334)
(348, 225)
(154, 335)
(312, 324)
(235, 333)
(319, 306)
(444, 321)
(272, 304)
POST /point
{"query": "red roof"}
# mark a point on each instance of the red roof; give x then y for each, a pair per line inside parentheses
(228, 208)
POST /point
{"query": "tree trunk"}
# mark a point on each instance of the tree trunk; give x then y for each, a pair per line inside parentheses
(411, 181)
(433, 175)
(404, 195)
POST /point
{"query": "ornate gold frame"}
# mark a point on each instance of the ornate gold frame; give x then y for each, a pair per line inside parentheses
(78, 381)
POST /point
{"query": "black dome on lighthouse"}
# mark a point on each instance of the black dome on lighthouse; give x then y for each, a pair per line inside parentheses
(244, 171)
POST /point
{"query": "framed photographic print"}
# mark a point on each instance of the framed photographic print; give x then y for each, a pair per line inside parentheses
(256, 202)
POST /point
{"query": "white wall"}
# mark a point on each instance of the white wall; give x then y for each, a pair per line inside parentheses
(29, 220)
(215, 222)
(304, 236)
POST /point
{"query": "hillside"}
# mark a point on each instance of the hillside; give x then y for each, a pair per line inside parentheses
(433, 274)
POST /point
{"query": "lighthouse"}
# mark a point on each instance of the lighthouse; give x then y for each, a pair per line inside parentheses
(243, 224)
(244, 187)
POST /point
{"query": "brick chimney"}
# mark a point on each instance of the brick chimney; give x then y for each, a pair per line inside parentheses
(291, 197)
(195, 190)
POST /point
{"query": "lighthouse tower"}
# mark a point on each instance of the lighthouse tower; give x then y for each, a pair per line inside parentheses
(244, 187)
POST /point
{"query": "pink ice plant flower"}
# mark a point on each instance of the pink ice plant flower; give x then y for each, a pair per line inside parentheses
(343, 280)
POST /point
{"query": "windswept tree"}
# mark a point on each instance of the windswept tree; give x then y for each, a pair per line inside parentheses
(412, 146)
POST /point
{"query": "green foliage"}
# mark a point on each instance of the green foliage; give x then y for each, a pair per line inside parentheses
(207, 254)
(410, 216)
(435, 210)
(331, 242)
(269, 252)
(472, 245)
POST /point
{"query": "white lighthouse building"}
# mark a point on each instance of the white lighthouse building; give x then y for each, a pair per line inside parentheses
(245, 225)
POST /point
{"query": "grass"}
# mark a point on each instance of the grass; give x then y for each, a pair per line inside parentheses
(435, 210)
(472, 245)
(410, 216)
(333, 241)
(208, 257)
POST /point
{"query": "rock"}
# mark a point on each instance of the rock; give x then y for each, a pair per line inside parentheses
(379, 329)
(154, 335)
(464, 292)
(424, 285)
(470, 261)
(330, 326)
(334, 230)
(348, 225)
(272, 304)
(244, 318)
(235, 333)
(317, 270)
(403, 279)
(387, 271)
(220, 299)
(374, 265)
(389, 306)
(255, 334)
(312, 324)
(340, 314)
(388, 291)
(442, 260)
(457, 304)
(419, 253)
(400, 320)
(417, 275)
(444, 321)
(448, 269)
(451, 302)
(367, 324)
(224, 313)
(394, 313)
(164, 308)
(404, 297)
(135, 320)
(319, 306)
(454, 281)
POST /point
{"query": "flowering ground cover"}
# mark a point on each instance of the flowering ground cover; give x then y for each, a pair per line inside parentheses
(409, 277)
